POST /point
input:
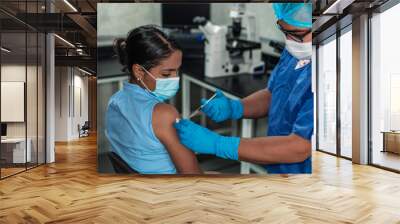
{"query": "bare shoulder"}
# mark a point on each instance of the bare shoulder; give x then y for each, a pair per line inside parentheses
(164, 115)
(165, 112)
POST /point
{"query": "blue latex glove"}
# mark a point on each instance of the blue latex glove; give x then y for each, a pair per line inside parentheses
(202, 140)
(222, 108)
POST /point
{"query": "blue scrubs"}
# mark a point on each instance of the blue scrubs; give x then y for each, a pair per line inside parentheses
(291, 109)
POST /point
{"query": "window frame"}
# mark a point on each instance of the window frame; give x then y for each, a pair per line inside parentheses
(334, 37)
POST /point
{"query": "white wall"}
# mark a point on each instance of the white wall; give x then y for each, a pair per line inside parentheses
(117, 19)
(33, 126)
(265, 20)
(80, 83)
(61, 103)
(12, 73)
(13, 101)
(67, 115)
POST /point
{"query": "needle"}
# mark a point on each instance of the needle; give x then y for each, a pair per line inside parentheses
(201, 107)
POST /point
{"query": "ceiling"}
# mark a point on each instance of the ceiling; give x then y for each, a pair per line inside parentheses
(75, 21)
(332, 15)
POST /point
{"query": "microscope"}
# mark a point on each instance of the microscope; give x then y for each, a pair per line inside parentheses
(231, 50)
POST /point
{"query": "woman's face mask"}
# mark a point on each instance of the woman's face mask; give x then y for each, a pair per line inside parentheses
(165, 88)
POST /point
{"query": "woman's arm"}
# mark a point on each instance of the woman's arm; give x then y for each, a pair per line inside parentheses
(164, 116)
(257, 104)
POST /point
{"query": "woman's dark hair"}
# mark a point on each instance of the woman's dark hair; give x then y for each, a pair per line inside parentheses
(146, 46)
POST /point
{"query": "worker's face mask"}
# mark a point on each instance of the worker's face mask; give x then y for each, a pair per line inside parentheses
(165, 88)
(299, 50)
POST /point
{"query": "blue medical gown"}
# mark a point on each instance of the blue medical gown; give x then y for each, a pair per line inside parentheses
(291, 109)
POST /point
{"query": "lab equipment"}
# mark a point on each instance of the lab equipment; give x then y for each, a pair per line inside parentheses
(242, 44)
(202, 140)
(223, 108)
(202, 105)
(295, 14)
(239, 16)
(235, 50)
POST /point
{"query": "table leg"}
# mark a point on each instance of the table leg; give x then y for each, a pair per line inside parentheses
(234, 128)
(203, 117)
(120, 85)
(247, 129)
(185, 97)
(384, 143)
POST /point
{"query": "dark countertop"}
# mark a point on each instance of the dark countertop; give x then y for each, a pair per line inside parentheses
(240, 85)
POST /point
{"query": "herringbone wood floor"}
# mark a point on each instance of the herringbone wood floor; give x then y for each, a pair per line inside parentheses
(71, 191)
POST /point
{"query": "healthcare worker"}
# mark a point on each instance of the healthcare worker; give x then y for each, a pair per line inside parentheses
(287, 100)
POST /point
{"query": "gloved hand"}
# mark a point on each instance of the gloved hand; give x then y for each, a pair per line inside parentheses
(202, 140)
(222, 108)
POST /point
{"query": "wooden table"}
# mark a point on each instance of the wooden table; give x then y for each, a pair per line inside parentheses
(391, 141)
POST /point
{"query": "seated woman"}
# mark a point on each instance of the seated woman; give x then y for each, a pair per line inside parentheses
(139, 125)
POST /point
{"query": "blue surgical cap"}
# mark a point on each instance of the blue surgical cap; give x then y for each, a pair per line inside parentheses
(295, 14)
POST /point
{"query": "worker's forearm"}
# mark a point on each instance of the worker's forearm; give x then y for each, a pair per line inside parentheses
(257, 104)
(275, 149)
